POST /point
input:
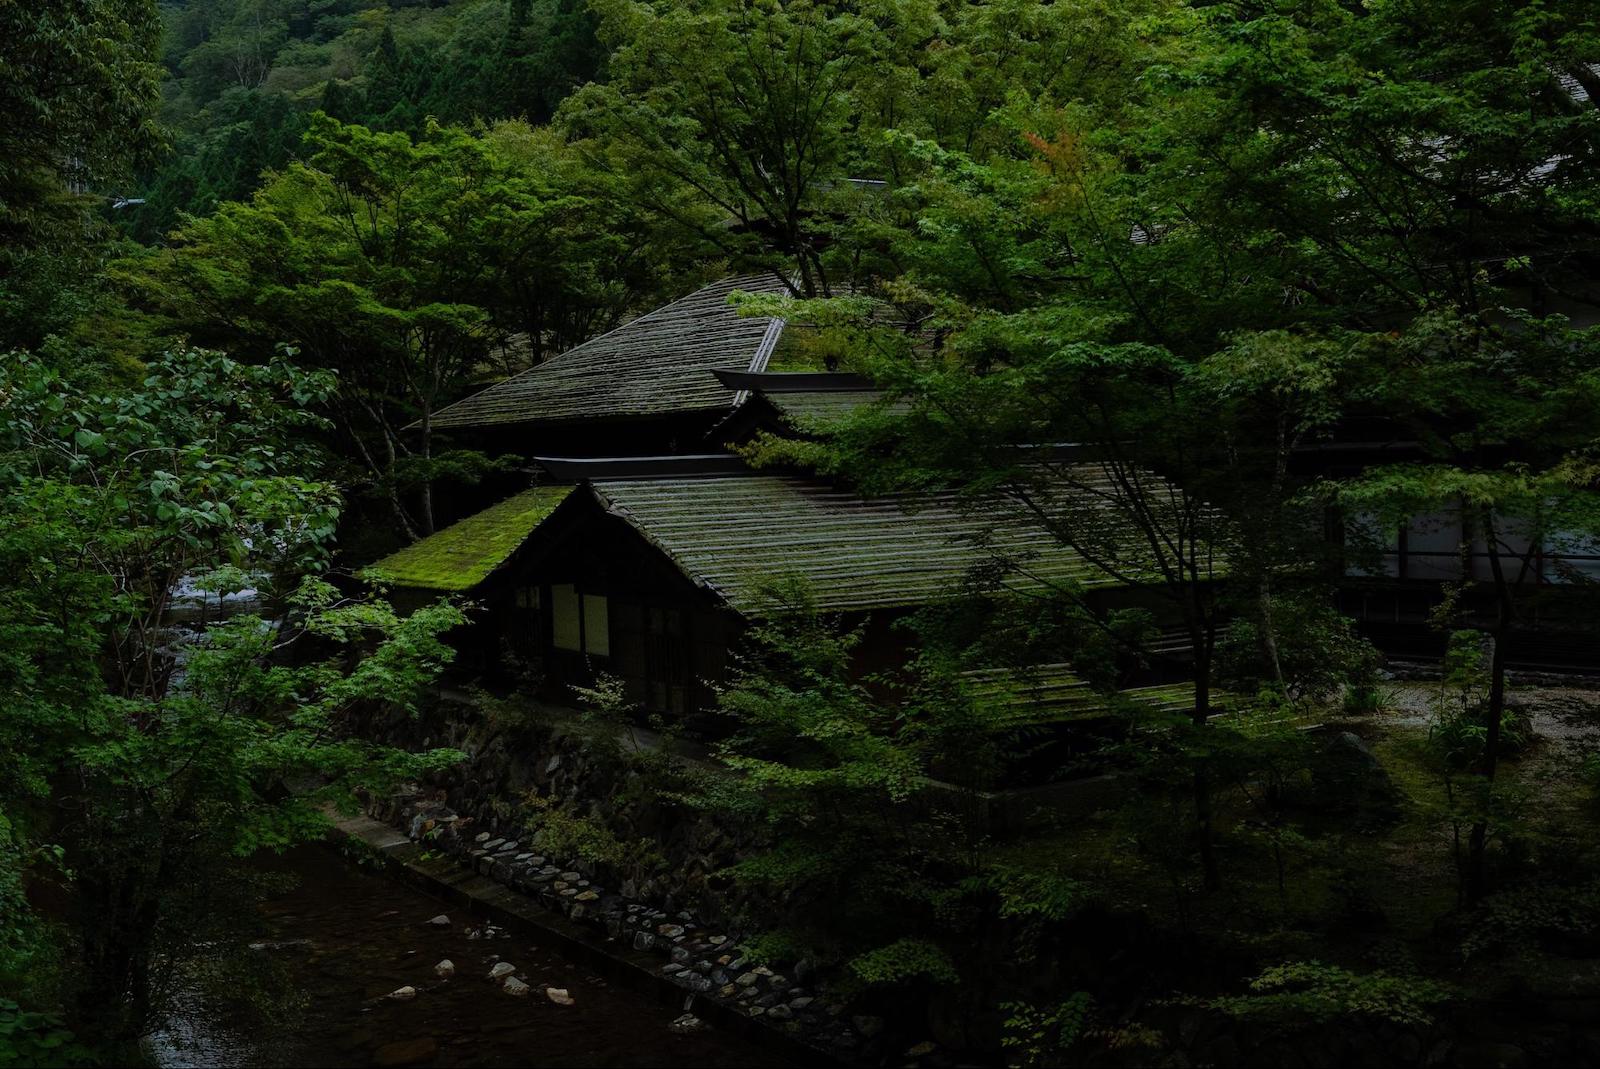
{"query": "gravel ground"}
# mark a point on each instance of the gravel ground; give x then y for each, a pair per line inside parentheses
(1568, 715)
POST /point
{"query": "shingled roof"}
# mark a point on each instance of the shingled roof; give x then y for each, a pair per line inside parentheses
(735, 534)
(1040, 695)
(462, 555)
(658, 364)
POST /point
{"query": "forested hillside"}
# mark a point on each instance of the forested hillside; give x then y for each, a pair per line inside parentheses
(974, 531)
(244, 76)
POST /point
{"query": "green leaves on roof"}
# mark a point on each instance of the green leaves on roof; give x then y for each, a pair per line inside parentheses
(462, 555)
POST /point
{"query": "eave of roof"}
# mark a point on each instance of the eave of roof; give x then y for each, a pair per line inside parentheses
(578, 469)
(464, 554)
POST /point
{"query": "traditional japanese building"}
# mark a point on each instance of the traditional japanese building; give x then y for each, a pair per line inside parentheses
(643, 550)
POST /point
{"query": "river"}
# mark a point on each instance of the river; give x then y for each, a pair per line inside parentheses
(344, 936)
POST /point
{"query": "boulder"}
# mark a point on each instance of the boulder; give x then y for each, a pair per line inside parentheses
(441, 921)
(406, 1052)
(501, 969)
(445, 969)
(559, 996)
(1349, 778)
(400, 994)
(514, 987)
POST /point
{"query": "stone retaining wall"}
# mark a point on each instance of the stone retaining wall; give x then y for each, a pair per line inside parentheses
(682, 912)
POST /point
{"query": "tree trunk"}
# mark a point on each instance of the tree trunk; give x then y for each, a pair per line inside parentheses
(1269, 634)
(113, 1000)
(1202, 773)
(1494, 715)
(427, 482)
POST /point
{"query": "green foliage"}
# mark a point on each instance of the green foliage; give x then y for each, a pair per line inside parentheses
(1299, 992)
(1038, 1035)
(904, 961)
(563, 833)
(830, 776)
(78, 86)
(79, 93)
(1320, 653)
(1047, 896)
(412, 267)
(1459, 732)
(26, 946)
(38, 1040)
(245, 76)
(1523, 915)
(180, 749)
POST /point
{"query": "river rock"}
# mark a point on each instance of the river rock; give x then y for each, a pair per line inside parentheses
(441, 921)
(686, 1025)
(559, 996)
(406, 1052)
(445, 969)
(501, 968)
(400, 994)
(514, 987)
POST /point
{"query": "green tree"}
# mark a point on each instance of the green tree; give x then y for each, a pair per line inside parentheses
(78, 88)
(159, 762)
(1423, 193)
(406, 265)
(729, 110)
(831, 778)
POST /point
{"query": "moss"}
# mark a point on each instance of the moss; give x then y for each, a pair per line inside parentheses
(462, 555)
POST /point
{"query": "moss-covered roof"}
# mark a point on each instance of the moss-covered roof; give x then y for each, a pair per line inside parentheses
(734, 534)
(462, 555)
(658, 364)
(814, 410)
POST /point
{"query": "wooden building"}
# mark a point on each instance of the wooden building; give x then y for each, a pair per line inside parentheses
(643, 550)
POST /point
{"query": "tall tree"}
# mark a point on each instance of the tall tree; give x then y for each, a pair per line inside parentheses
(158, 762)
(744, 104)
(405, 264)
(78, 88)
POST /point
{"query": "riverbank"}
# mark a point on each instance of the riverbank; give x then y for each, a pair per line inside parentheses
(345, 935)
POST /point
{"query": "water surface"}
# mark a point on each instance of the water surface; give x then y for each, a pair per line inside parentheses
(346, 936)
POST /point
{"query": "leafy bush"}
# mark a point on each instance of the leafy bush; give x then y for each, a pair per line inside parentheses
(1320, 652)
(1460, 727)
(1589, 771)
(563, 833)
(1309, 991)
(38, 1040)
(1033, 1034)
(904, 961)
(1529, 913)
(1367, 697)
